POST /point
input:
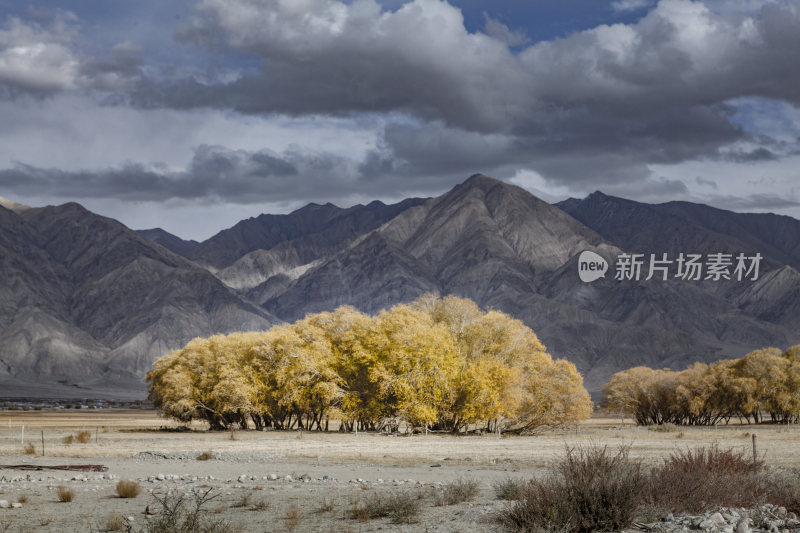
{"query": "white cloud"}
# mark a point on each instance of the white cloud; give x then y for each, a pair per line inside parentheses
(38, 58)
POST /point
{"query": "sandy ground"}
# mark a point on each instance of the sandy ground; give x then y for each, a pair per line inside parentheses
(340, 470)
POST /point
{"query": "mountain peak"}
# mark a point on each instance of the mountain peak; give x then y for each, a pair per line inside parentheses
(481, 180)
(598, 195)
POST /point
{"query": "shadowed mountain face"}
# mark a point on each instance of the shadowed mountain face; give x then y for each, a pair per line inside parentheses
(676, 227)
(86, 300)
(90, 302)
(309, 228)
(169, 241)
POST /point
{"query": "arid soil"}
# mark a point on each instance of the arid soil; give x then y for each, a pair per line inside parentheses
(300, 481)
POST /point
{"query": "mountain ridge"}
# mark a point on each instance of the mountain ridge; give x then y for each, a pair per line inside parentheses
(88, 302)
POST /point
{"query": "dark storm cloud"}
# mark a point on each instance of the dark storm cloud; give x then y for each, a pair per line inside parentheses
(421, 59)
(750, 156)
(214, 173)
(612, 99)
(596, 107)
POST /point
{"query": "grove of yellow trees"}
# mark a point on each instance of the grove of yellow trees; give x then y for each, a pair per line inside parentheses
(438, 363)
(764, 382)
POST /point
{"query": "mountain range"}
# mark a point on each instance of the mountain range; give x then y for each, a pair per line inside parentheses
(87, 303)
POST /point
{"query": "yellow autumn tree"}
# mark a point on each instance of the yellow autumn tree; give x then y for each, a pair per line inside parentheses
(763, 382)
(438, 363)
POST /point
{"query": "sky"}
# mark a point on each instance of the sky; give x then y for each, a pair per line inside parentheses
(191, 115)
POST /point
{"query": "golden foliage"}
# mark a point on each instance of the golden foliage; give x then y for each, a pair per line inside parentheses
(439, 363)
(765, 381)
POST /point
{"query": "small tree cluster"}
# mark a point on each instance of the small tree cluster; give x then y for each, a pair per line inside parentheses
(439, 363)
(763, 383)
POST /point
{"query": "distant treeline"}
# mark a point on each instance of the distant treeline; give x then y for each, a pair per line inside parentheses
(439, 363)
(764, 382)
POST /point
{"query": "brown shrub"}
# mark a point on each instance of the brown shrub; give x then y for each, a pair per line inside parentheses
(83, 436)
(116, 522)
(589, 490)
(697, 480)
(128, 489)
(65, 494)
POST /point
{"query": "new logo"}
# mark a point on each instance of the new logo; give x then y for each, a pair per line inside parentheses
(591, 266)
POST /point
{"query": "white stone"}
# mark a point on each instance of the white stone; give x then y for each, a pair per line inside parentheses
(4, 504)
(16, 505)
(272, 477)
(161, 477)
(742, 526)
(707, 524)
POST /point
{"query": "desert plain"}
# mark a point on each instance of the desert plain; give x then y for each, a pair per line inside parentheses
(270, 481)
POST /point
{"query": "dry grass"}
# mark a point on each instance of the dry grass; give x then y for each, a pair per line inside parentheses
(458, 491)
(22, 498)
(401, 507)
(327, 506)
(510, 489)
(205, 456)
(29, 449)
(65, 494)
(69, 439)
(780, 443)
(116, 522)
(292, 518)
(83, 437)
(128, 489)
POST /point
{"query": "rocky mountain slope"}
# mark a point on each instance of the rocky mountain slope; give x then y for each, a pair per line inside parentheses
(171, 242)
(504, 248)
(87, 301)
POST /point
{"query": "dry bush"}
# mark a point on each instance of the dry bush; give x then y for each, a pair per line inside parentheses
(460, 490)
(181, 515)
(510, 489)
(69, 439)
(205, 456)
(83, 436)
(116, 522)
(29, 449)
(247, 501)
(589, 490)
(697, 480)
(65, 494)
(399, 507)
(128, 489)
(292, 518)
(22, 498)
(259, 505)
(327, 506)
(784, 489)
